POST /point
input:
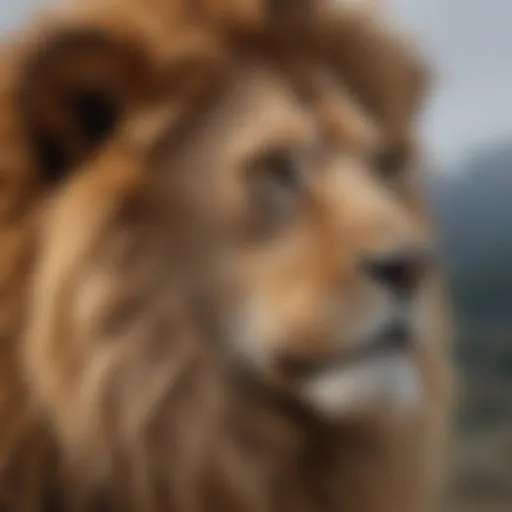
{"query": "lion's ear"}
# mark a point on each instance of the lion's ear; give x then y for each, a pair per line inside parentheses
(382, 68)
(76, 85)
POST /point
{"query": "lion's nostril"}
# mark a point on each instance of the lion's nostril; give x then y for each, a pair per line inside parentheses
(401, 272)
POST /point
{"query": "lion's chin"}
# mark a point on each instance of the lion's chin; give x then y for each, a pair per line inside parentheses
(388, 384)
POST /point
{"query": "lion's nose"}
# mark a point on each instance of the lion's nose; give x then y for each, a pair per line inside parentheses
(401, 272)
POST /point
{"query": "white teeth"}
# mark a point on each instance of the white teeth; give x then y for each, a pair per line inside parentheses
(388, 381)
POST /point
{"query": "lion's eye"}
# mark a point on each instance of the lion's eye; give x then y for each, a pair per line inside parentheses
(278, 176)
(276, 181)
(283, 169)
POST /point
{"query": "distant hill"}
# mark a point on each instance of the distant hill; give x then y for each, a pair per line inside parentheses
(473, 204)
(474, 210)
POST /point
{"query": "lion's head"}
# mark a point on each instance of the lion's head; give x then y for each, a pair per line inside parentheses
(226, 210)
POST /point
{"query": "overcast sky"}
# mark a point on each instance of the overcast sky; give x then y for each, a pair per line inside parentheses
(469, 41)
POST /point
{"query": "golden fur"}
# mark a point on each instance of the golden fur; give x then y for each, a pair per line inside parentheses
(153, 280)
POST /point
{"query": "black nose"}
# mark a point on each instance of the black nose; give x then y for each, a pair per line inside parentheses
(400, 272)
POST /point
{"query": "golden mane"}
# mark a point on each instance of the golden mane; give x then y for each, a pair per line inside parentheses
(264, 453)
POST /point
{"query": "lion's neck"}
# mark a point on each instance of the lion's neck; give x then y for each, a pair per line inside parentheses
(251, 458)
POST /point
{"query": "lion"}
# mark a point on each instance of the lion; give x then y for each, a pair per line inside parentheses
(218, 284)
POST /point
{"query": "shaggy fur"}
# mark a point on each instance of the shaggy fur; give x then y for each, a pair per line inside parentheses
(118, 388)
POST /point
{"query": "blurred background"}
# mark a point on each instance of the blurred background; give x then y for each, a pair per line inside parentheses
(467, 127)
(468, 130)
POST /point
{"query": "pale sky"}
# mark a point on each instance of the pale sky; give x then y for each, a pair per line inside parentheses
(468, 41)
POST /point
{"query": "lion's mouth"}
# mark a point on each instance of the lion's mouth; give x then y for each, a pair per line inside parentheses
(396, 337)
(379, 372)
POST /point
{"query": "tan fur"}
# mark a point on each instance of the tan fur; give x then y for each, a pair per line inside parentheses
(147, 294)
